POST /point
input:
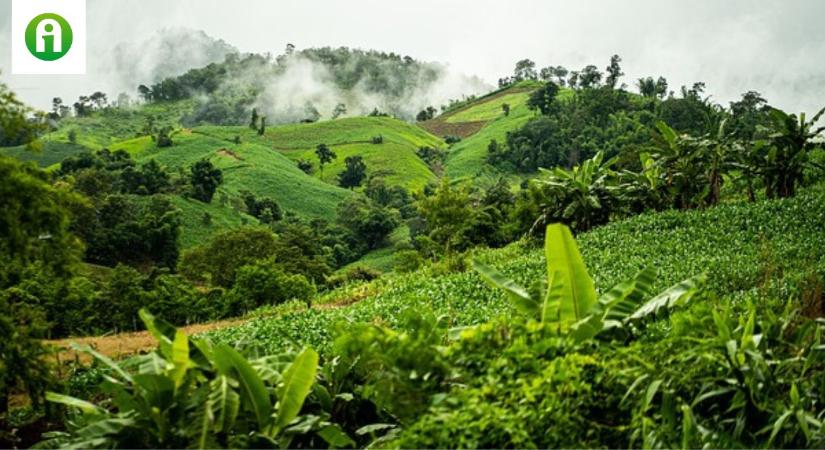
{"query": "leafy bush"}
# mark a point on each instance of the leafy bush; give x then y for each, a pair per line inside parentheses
(408, 261)
(581, 197)
(218, 260)
(367, 220)
(450, 139)
(139, 231)
(205, 180)
(265, 283)
(190, 393)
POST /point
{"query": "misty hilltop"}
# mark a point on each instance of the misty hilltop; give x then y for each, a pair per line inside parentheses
(297, 85)
(167, 53)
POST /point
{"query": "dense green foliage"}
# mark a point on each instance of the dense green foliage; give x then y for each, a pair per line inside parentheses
(193, 394)
(38, 254)
(437, 319)
(684, 380)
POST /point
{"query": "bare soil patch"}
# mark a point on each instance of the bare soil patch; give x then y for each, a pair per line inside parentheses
(229, 154)
(123, 345)
(440, 127)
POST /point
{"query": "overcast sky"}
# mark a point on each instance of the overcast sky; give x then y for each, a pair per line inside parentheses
(777, 47)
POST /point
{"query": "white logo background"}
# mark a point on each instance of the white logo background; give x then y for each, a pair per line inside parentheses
(23, 62)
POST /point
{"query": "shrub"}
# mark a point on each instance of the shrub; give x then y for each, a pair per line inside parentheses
(408, 261)
(218, 260)
(450, 139)
(189, 393)
(265, 283)
(205, 180)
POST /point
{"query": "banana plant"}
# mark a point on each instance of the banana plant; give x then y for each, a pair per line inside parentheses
(190, 393)
(581, 197)
(645, 189)
(782, 158)
(569, 304)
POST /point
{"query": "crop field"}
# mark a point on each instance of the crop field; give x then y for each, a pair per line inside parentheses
(489, 110)
(52, 152)
(395, 158)
(745, 249)
(247, 166)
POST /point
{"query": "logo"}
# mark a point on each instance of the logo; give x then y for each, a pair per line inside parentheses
(49, 37)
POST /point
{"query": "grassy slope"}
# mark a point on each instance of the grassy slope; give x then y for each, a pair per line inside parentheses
(395, 158)
(734, 244)
(101, 129)
(490, 109)
(247, 166)
(52, 152)
(252, 165)
(196, 229)
(467, 159)
(383, 259)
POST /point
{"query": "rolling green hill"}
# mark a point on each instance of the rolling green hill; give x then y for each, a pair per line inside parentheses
(104, 128)
(264, 165)
(247, 166)
(101, 129)
(477, 123)
(52, 152)
(395, 158)
(200, 221)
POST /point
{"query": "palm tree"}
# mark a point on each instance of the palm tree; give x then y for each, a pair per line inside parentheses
(581, 197)
(783, 156)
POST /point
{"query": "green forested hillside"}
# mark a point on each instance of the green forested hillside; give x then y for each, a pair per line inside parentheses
(477, 123)
(394, 158)
(559, 263)
(747, 250)
(246, 166)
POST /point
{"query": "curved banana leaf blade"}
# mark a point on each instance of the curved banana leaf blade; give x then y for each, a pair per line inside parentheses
(570, 295)
(336, 437)
(85, 407)
(161, 330)
(124, 376)
(252, 387)
(677, 294)
(624, 299)
(297, 383)
(517, 294)
(223, 403)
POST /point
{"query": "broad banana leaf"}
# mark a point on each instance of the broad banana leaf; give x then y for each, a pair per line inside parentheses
(252, 387)
(677, 294)
(85, 407)
(297, 383)
(570, 294)
(224, 404)
(519, 296)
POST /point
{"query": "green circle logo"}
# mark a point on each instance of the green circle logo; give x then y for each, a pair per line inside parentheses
(49, 37)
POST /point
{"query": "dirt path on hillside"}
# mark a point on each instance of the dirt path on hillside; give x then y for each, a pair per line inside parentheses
(118, 346)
